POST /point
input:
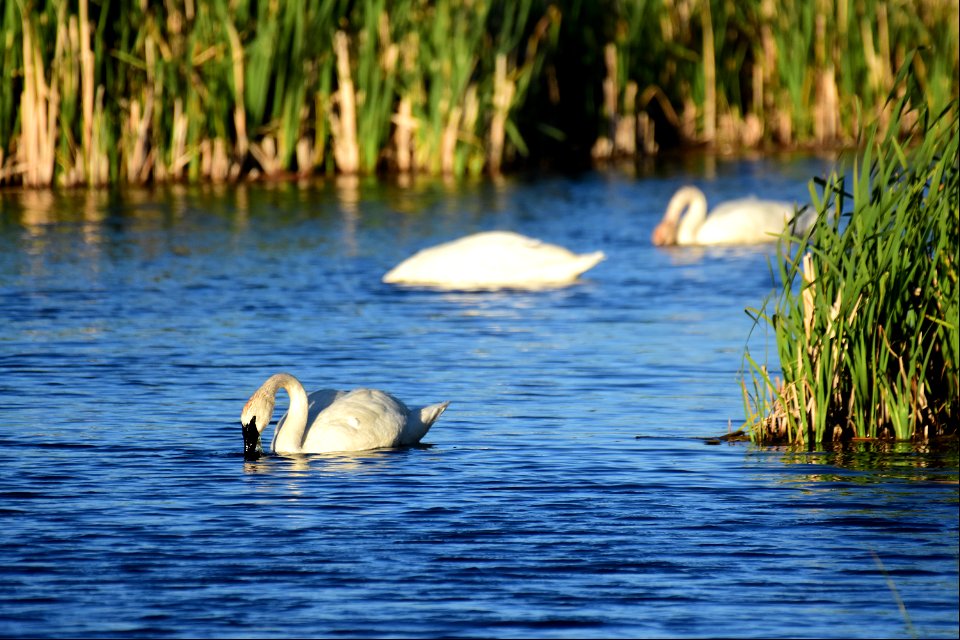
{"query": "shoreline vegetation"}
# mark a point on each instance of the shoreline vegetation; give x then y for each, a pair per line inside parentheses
(104, 93)
(866, 322)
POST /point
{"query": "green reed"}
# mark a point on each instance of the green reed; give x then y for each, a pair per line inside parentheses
(97, 92)
(866, 325)
(377, 58)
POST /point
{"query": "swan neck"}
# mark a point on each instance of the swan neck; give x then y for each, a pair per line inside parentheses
(695, 203)
(290, 431)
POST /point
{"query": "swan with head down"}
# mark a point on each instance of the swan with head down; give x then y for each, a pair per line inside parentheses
(329, 420)
(742, 221)
(493, 260)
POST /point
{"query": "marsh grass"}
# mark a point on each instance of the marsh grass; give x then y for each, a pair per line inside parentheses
(95, 92)
(866, 324)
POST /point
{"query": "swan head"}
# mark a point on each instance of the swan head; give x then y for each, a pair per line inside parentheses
(254, 418)
(664, 234)
(684, 215)
(252, 449)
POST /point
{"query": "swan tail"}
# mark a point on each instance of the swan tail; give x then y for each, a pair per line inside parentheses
(590, 260)
(429, 415)
(572, 268)
(416, 429)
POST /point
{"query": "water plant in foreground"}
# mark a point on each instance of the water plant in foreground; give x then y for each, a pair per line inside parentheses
(866, 320)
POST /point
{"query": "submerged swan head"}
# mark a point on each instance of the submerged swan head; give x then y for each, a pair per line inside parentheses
(674, 230)
(256, 415)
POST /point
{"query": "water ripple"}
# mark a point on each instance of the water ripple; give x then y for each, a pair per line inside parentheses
(565, 493)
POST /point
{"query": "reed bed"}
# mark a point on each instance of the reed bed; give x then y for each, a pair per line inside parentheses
(97, 93)
(866, 324)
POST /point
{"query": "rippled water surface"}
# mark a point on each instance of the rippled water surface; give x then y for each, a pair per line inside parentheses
(568, 491)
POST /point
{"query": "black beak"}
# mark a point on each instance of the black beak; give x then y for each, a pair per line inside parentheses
(251, 440)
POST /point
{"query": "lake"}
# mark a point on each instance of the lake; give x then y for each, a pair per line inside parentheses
(570, 489)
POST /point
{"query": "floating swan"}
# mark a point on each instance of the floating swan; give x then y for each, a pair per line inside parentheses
(493, 260)
(743, 221)
(338, 420)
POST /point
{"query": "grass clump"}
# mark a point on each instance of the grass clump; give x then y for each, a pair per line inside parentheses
(866, 321)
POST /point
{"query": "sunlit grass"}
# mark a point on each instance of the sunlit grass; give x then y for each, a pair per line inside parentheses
(866, 325)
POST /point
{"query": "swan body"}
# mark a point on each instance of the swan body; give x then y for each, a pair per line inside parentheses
(743, 221)
(493, 260)
(331, 420)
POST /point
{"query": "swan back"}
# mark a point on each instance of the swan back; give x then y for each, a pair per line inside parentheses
(492, 260)
(361, 419)
(745, 221)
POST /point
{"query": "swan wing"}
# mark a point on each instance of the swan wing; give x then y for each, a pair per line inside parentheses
(745, 221)
(316, 403)
(356, 421)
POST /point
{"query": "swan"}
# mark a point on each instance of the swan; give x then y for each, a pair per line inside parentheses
(493, 260)
(331, 420)
(743, 221)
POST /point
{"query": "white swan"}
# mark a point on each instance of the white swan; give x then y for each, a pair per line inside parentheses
(493, 260)
(331, 420)
(743, 221)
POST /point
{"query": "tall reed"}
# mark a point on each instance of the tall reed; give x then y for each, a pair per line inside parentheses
(222, 89)
(866, 324)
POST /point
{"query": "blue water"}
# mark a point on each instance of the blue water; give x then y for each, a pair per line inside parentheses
(568, 491)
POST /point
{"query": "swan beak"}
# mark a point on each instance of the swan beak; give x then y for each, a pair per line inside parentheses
(661, 235)
(251, 440)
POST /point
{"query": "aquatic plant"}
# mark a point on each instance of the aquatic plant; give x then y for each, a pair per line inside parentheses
(866, 324)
